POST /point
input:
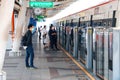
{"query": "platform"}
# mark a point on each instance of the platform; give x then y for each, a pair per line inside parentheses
(52, 65)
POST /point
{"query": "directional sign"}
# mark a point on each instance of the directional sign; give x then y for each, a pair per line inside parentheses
(41, 4)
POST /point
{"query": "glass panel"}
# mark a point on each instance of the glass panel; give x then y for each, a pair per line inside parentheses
(61, 35)
(64, 37)
(82, 45)
(110, 50)
(100, 54)
(71, 45)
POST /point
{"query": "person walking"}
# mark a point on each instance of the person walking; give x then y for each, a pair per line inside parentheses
(29, 59)
(39, 30)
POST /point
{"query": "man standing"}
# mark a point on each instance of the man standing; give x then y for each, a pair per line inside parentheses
(29, 49)
(53, 34)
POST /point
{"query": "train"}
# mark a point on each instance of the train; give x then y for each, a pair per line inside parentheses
(88, 36)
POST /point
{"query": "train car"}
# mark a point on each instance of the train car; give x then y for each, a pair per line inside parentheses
(90, 38)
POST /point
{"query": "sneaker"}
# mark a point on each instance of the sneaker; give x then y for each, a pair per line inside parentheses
(27, 67)
(57, 49)
(33, 67)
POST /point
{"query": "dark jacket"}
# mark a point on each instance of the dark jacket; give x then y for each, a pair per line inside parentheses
(53, 34)
(29, 38)
(49, 33)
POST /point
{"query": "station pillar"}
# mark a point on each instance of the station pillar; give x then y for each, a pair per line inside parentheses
(19, 27)
(6, 10)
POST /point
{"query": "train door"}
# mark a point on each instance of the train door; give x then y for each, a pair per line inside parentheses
(71, 37)
(108, 54)
(64, 37)
(100, 53)
(79, 41)
(71, 44)
(82, 51)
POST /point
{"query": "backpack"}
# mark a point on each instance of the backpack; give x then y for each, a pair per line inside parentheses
(24, 40)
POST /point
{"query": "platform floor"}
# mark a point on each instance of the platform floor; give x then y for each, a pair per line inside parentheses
(52, 65)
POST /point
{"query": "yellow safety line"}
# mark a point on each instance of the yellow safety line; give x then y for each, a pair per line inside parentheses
(82, 68)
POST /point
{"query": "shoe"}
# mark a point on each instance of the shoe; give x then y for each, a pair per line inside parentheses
(51, 49)
(57, 49)
(27, 67)
(33, 67)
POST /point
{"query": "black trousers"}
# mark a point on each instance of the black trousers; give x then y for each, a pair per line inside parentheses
(53, 43)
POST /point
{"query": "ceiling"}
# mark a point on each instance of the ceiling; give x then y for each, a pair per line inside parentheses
(50, 12)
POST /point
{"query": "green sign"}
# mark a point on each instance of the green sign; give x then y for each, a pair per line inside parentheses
(41, 4)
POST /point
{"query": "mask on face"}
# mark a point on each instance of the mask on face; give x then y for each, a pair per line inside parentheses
(32, 30)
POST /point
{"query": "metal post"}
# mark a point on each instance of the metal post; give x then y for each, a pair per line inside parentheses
(89, 48)
(116, 54)
(75, 50)
(106, 70)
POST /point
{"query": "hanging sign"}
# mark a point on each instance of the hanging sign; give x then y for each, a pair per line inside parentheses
(41, 4)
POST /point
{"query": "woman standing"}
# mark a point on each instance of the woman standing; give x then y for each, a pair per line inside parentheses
(45, 37)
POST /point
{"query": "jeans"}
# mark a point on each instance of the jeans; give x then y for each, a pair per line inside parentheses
(29, 56)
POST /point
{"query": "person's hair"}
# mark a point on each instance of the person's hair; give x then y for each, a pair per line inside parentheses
(29, 26)
(51, 25)
(44, 26)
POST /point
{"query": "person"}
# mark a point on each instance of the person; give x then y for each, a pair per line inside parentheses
(45, 37)
(53, 35)
(29, 49)
(39, 30)
(49, 33)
